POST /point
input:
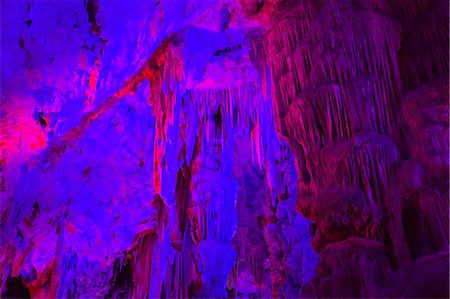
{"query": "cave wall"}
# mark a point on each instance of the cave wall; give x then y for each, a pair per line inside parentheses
(348, 80)
(224, 149)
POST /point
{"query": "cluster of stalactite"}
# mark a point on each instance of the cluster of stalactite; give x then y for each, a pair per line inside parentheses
(226, 189)
(362, 98)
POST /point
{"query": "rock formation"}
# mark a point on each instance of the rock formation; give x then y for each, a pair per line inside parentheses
(215, 149)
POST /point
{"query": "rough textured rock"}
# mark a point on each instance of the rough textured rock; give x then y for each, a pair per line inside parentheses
(236, 148)
(368, 122)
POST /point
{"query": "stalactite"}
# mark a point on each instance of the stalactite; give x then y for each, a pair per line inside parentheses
(337, 101)
(182, 203)
(424, 112)
(425, 38)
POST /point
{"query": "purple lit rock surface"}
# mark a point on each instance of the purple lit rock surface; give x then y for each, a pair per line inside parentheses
(224, 149)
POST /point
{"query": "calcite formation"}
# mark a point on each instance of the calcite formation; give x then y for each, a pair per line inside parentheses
(224, 149)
